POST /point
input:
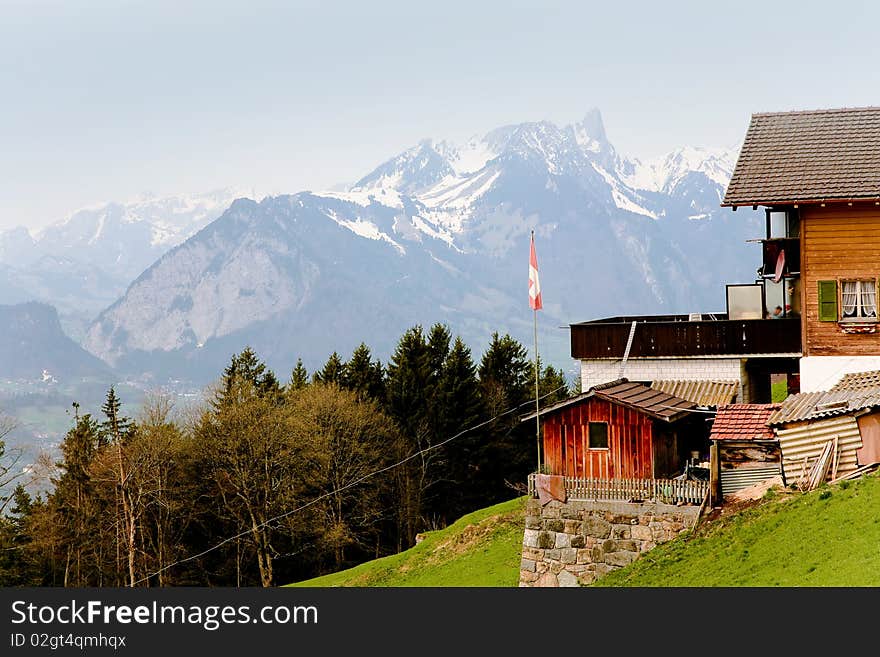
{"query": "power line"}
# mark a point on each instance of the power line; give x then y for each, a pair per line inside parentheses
(352, 484)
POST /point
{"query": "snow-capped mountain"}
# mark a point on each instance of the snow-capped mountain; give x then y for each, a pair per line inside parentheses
(440, 233)
(84, 262)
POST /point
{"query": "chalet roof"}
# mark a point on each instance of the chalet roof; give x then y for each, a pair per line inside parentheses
(854, 392)
(743, 422)
(637, 396)
(702, 393)
(814, 155)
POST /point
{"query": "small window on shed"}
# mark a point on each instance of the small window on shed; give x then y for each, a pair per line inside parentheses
(598, 435)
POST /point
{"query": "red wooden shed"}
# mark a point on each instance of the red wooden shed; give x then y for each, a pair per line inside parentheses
(621, 430)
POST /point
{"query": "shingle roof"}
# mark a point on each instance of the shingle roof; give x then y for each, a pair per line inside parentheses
(808, 156)
(637, 396)
(743, 422)
(703, 393)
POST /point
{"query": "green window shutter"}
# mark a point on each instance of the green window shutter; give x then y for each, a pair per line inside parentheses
(827, 301)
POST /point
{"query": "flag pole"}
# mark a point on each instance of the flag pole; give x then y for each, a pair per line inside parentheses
(537, 375)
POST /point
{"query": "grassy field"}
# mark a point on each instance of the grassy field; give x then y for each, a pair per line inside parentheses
(830, 537)
(778, 391)
(480, 549)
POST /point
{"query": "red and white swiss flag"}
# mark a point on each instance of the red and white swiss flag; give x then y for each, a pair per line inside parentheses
(534, 283)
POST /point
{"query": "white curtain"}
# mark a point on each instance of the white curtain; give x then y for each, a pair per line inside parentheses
(850, 295)
(869, 299)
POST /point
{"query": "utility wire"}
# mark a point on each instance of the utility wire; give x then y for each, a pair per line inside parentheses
(346, 487)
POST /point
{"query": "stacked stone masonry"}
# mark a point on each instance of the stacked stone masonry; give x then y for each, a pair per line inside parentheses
(576, 542)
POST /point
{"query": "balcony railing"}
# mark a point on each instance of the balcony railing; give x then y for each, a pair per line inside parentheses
(676, 335)
(664, 491)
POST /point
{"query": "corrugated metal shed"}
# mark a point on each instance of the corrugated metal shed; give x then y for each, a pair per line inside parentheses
(734, 480)
(702, 393)
(806, 440)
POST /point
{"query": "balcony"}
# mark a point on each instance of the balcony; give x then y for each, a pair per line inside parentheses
(660, 336)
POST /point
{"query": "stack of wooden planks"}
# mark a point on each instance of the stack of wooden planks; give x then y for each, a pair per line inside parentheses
(829, 459)
(858, 472)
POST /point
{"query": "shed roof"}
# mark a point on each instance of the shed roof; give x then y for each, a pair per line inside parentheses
(858, 381)
(817, 155)
(637, 396)
(702, 393)
(743, 422)
(854, 392)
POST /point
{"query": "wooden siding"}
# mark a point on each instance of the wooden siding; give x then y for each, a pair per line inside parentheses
(654, 339)
(838, 242)
(567, 438)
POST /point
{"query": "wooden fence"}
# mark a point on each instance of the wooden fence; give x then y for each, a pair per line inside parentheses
(666, 491)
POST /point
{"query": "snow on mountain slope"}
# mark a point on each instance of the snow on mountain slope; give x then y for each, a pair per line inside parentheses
(437, 233)
(664, 173)
(84, 262)
(125, 238)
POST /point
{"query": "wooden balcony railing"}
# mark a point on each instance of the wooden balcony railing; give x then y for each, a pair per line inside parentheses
(672, 337)
(665, 491)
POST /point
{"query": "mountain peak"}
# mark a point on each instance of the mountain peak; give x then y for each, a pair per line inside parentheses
(593, 125)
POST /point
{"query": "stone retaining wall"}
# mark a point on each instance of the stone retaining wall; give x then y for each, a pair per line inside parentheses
(572, 543)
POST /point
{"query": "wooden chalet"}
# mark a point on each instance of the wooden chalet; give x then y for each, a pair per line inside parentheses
(617, 440)
(816, 174)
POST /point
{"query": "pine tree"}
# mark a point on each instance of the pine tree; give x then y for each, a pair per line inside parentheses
(363, 376)
(246, 369)
(458, 397)
(552, 385)
(409, 380)
(15, 567)
(507, 454)
(117, 427)
(118, 430)
(74, 507)
(504, 374)
(408, 389)
(332, 372)
(438, 348)
(299, 378)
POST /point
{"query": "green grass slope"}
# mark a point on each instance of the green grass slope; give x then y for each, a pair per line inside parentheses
(480, 549)
(830, 537)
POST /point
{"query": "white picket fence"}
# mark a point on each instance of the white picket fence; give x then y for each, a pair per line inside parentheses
(667, 491)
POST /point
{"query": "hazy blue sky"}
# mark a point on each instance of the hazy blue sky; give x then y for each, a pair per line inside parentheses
(105, 100)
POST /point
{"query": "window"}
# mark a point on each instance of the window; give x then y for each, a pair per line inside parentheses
(858, 300)
(745, 301)
(598, 435)
(783, 223)
(827, 301)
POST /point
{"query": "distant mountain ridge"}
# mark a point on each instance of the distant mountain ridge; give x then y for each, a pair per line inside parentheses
(34, 346)
(439, 233)
(85, 262)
